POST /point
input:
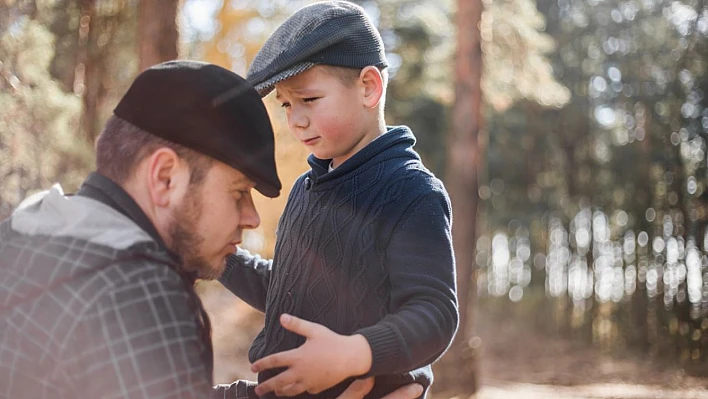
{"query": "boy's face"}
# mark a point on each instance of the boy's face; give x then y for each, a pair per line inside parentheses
(325, 114)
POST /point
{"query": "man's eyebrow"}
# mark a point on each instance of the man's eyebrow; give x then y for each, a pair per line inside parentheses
(241, 181)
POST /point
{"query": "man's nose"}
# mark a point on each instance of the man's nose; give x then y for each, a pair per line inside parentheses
(249, 215)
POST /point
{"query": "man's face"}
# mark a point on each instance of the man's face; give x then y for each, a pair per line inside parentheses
(207, 225)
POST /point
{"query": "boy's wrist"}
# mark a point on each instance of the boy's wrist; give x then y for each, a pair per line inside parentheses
(360, 357)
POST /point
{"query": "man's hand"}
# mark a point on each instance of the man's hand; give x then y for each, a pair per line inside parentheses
(359, 388)
(324, 360)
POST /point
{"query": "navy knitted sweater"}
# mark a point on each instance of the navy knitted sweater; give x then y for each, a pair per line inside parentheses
(367, 249)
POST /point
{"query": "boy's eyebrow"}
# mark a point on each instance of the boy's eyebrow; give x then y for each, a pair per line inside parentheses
(298, 91)
(304, 90)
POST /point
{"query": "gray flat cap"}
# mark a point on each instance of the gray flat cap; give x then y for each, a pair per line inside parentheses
(337, 33)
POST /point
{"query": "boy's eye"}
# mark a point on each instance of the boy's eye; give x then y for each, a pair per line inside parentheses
(285, 105)
(309, 99)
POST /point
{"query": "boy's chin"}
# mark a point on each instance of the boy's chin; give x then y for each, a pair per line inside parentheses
(323, 154)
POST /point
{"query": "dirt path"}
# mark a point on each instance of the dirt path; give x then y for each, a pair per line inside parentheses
(505, 390)
(517, 361)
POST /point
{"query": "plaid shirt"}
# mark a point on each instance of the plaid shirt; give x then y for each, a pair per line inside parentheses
(83, 319)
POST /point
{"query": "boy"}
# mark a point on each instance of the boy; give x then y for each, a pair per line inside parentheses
(364, 244)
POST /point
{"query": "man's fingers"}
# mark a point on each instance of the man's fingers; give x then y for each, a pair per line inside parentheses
(276, 360)
(298, 325)
(291, 390)
(357, 389)
(410, 391)
(276, 383)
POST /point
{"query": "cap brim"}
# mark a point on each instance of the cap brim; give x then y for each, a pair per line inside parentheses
(264, 88)
(268, 190)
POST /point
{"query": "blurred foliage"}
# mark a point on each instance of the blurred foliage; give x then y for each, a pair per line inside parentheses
(602, 203)
(63, 66)
(515, 63)
(38, 120)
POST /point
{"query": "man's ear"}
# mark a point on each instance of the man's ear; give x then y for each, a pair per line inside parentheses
(166, 176)
(373, 86)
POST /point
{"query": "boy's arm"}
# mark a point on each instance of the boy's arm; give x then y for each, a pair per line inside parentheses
(247, 276)
(239, 389)
(421, 267)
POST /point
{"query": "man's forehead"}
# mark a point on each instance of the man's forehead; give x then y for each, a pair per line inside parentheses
(234, 177)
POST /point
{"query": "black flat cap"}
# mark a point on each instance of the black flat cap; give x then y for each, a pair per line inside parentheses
(337, 33)
(208, 109)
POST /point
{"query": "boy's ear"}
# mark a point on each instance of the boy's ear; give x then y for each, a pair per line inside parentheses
(373, 86)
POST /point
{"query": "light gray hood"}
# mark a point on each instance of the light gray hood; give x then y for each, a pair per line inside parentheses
(53, 213)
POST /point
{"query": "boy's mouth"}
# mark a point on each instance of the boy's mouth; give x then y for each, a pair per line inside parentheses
(310, 141)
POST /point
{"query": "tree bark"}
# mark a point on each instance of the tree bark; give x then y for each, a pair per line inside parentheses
(88, 73)
(458, 371)
(157, 36)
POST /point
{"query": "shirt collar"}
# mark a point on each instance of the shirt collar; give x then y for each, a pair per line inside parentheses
(104, 190)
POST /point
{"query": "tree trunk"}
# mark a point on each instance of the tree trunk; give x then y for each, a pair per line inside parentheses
(85, 71)
(457, 370)
(157, 36)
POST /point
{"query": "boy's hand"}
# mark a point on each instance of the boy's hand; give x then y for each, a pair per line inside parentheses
(324, 360)
(359, 388)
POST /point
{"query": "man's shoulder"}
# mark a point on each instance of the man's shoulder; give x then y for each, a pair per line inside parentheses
(141, 263)
(133, 287)
(61, 281)
(135, 270)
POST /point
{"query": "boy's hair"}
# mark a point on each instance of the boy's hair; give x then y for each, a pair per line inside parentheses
(121, 146)
(349, 75)
(333, 33)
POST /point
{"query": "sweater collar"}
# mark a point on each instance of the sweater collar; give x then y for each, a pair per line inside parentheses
(400, 137)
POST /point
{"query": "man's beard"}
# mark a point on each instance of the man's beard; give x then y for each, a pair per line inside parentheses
(186, 242)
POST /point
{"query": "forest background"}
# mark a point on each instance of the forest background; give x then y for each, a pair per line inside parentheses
(571, 135)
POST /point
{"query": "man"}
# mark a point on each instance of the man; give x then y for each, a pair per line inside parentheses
(96, 289)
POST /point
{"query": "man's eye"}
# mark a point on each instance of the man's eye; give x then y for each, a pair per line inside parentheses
(240, 194)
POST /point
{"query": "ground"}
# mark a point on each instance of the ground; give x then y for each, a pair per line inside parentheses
(520, 361)
(517, 360)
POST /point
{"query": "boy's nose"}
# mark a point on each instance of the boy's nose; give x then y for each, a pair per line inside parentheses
(299, 120)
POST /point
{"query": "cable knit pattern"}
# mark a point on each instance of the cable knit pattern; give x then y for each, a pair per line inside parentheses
(367, 249)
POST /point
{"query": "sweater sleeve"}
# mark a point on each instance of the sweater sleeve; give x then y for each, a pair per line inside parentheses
(240, 389)
(248, 276)
(421, 266)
